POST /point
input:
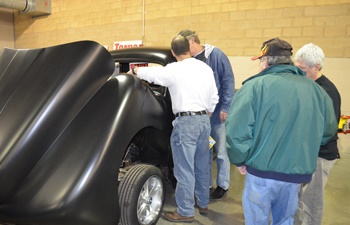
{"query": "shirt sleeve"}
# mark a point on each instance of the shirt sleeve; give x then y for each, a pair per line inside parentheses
(227, 83)
(330, 121)
(214, 97)
(156, 74)
(239, 127)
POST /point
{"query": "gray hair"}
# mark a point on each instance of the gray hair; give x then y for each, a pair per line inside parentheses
(189, 34)
(275, 60)
(310, 54)
(195, 37)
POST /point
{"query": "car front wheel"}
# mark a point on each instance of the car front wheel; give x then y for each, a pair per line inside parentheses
(141, 195)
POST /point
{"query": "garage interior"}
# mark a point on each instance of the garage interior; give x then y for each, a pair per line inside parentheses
(229, 210)
(40, 25)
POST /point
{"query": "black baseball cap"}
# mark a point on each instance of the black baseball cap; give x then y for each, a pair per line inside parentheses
(275, 47)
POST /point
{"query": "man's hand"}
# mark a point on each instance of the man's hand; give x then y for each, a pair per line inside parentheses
(133, 71)
(242, 169)
(223, 116)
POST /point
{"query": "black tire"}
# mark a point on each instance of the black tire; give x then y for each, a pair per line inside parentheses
(141, 195)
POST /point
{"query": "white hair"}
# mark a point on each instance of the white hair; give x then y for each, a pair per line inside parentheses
(310, 54)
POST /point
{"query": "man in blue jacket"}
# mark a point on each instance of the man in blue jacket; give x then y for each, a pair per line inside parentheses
(275, 126)
(225, 84)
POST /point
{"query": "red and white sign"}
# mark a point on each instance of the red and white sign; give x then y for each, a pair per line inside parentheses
(138, 64)
(127, 44)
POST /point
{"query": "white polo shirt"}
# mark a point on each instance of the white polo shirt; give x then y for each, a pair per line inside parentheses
(191, 84)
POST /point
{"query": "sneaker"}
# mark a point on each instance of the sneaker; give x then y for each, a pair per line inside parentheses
(176, 217)
(202, 211)
(218, 194)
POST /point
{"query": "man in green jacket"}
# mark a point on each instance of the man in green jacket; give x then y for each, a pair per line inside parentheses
(276, 123)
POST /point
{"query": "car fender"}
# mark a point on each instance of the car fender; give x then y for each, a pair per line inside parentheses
(43, 173)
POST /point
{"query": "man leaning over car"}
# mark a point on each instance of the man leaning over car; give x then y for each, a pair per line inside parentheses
(194, 97)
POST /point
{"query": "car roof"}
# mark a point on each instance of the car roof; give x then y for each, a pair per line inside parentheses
(160, 55)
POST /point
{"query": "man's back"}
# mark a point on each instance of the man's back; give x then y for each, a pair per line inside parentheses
(193, 78)
(277, 122)
(288, 110)
(190, 81)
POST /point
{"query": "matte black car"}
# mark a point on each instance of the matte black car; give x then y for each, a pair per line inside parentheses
(74, 133)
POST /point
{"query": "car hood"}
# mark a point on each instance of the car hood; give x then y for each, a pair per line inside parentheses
(43, 107)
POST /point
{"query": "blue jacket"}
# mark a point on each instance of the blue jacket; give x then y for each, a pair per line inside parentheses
(224, 80)
(277, 122)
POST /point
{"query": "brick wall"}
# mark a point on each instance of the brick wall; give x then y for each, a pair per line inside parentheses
(336, 69)
(7, 36)
(238, 27)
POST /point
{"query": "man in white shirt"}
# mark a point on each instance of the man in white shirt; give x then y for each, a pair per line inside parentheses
(194, 97)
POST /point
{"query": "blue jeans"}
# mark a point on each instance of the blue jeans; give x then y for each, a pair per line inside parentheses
(264, 196)
(218, 133)
(190, 148)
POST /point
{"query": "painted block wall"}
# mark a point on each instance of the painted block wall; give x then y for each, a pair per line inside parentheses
(238, 27)
(7, 32)
(336, 69)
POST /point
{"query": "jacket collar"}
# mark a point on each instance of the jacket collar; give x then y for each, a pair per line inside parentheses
(280, 68)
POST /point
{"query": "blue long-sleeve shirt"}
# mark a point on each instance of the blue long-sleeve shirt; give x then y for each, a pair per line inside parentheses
(224, 79)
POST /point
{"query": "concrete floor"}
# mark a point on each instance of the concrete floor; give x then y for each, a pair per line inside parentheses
(229, 210)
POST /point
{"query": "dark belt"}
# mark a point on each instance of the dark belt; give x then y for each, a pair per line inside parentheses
(191, 113)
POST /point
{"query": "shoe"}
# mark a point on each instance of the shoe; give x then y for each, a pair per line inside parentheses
(176, 217)
(211, 190)
(202, 211)
(218, 194)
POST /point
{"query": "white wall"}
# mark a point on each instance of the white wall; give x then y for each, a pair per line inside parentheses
(336, 69)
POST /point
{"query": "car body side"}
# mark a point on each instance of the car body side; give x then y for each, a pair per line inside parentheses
(65, 124)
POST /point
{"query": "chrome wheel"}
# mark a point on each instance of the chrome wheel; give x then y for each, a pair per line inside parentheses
(141, 195)
(150, 200)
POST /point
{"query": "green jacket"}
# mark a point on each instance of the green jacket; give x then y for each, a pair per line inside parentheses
(277, 122)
